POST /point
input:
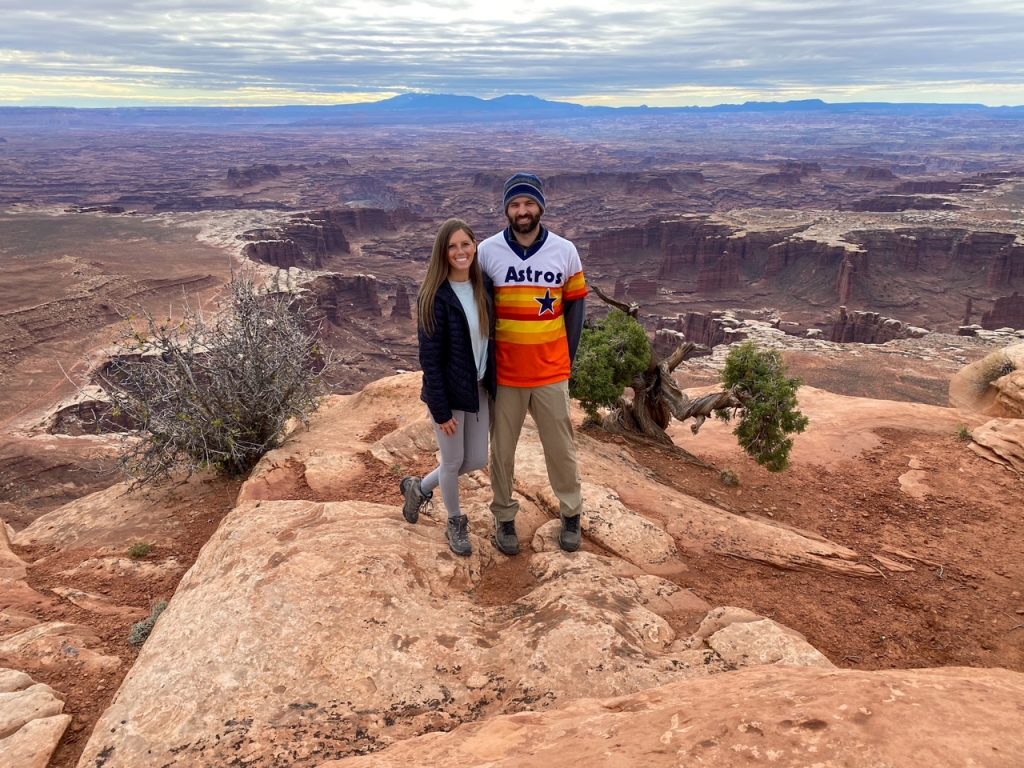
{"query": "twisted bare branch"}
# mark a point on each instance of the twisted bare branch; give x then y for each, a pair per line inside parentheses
(632, 309)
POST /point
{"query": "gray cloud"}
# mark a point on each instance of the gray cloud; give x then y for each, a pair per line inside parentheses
(756, 46)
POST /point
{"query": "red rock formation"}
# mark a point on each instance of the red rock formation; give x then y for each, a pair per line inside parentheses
(986, 247)
(345, 297)
(359, 220)
(779, 179)
(637, 289)
(279, 253)
(893, 203)
(320, 232)
(1007, 312)
(1007, 266)
(930, 187)
(697, 254)
(846, 277)
(707, 329)
(694, 254)
(309, 239)
(868, 173)
(866, 328)
(931, 250)
(650, 185)
(799, 167)
(790, 251)
(402, 309)
(968, 311)
(627, 182)
(239, 178)
(700, 251)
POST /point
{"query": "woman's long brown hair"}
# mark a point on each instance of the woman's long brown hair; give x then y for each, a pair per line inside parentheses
(437, 272)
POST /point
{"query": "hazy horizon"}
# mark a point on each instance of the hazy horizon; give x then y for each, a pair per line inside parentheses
(96, 53)
(491, 99)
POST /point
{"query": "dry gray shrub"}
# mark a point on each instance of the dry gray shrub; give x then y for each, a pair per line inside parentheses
(141, 629)
(215, 394)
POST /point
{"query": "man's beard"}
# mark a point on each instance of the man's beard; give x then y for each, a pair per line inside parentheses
(525, 223)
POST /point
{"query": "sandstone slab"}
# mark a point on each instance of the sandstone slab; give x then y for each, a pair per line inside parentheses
(31, 721)
(307, 630)
(775, 716)
(32, 745)
(1001, 441)
(115, 518)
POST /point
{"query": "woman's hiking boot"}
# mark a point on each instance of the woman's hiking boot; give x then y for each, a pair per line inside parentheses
(458, 536)
(415, 498)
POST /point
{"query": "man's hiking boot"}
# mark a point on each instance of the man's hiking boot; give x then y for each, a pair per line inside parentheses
(415, 499)
(458, 535)
(569, 537)
(505, 538)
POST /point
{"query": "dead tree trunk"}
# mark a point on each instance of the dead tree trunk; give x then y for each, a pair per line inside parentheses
(657, 398)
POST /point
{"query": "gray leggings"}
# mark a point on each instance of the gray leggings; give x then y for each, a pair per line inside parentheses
(462, 452)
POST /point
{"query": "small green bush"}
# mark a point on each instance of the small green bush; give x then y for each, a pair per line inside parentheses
(139, 551)
(610, 355)
(770, 414)
(140, 630)
(963, 434)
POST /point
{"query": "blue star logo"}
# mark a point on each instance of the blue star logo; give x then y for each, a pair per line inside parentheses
(547, 302)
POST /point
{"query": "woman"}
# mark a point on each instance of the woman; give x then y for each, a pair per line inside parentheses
(455, 314)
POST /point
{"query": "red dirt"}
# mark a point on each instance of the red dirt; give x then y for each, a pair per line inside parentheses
(962, 604)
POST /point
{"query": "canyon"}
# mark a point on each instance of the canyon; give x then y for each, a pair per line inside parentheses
(882, 252)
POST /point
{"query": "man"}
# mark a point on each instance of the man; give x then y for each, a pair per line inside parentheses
(539, 304)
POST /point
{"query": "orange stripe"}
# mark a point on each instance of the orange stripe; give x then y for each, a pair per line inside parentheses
(533, 365)
(575, 287)
(531, 339)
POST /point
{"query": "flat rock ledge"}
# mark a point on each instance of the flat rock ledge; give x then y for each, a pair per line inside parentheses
(308, 631)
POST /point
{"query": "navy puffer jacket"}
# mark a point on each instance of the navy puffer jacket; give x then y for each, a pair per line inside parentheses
(446, 357)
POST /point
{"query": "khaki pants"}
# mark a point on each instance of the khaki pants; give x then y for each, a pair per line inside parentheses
(549, 407)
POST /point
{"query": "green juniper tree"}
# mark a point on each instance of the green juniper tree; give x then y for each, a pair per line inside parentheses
(616, 353)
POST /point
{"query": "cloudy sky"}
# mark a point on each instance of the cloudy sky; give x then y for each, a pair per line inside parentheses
(655, 52)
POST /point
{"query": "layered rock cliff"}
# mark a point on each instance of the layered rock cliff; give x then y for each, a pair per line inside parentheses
(871, 268)
(342, 298)
(1006, 312)
(240, 178)
(309, 239)
(869, 328)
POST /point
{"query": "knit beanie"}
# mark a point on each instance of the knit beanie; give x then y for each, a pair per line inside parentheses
(524, 184)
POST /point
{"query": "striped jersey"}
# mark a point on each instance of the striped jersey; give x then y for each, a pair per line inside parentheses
(529, 294)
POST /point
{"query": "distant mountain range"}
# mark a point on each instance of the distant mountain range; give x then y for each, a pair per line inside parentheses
(424, 108)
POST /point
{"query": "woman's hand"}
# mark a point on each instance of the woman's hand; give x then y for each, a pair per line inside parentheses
(449, 426)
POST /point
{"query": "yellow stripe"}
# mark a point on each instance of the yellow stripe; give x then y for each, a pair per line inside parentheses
(524, 299)
(576, 282)
(531, 326)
